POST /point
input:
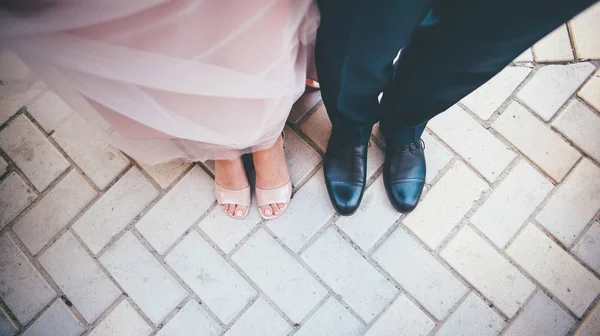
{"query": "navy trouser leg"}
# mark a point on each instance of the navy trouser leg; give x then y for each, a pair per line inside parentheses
(468, 43)
(471, 42)
(356, 44)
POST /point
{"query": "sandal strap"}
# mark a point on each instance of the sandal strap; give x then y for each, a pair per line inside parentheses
(227, 196)
(272, 196)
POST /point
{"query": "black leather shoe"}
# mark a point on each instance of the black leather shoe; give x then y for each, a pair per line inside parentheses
(404, 174)
(345, 169)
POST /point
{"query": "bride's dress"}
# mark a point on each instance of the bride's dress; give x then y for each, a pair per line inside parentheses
(167, 79)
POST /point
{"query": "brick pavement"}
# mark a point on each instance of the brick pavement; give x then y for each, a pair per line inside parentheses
(506, 240)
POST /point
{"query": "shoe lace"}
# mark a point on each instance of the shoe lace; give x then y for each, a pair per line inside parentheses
(419, 144)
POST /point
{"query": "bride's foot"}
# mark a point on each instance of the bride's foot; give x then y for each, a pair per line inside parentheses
(271, 173)
(230, 176)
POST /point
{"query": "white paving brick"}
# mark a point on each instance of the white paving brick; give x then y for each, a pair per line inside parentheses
(227, 231)
(15, 196)
(96, 158)
(581, 125)
(216, 282)
(375, 158)
(588, 248)
(443, 207)
(374, 217)
(279, 275)
(308, 211)
(419, 273)
(365, 290)
(57, 320)
(402, 318)
(22, 288)
(555, 47)
(301, 158)
(555, 269)
(483, 267)
(574, 203)
(591, 324)
(75, 273)
(590, 92)
(178, 210)
(10, 104)
(584, 29)
(54, 211)
(166, 173)
(191, 319)
(140, 275)
(49, 110)
(436, 155)
(306, 102)
(541, 316)
(526, 56)
(318, 127)
(472, 142)
(331, 319)
(7, 327)
(123, 320)
(39, 160)
(511, 203)
(259, 320)
(115, 209)
(489, 97)
(552, 86)
(537, 141)
(472, 318)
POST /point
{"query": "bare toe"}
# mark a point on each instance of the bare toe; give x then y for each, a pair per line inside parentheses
(231, 210)
(275, 209)
(281, 206)
(267, 210)
(240, 211)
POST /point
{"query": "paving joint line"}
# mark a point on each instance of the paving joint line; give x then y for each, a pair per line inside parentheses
(49, 281)
(248, 279)
(39, 197)
(174, 274)
(308, 113)
(314, 274)
(373, 263)
(72, 163)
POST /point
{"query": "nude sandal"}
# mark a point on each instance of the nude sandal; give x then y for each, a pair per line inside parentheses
(266, 197)
(238, 197)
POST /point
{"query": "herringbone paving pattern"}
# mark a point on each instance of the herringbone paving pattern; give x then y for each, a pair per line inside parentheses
(506, 240)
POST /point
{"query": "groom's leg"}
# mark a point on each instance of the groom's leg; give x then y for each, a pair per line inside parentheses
(356, 43)
(470, 43)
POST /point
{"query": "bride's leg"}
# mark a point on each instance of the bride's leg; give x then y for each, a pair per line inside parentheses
(230, 174)
(271, 173)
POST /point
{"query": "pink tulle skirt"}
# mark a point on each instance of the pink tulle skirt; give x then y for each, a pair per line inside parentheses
(168, 79)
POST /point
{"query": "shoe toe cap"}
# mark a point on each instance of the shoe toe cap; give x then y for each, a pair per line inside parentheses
(405, 195)
(345, 197)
